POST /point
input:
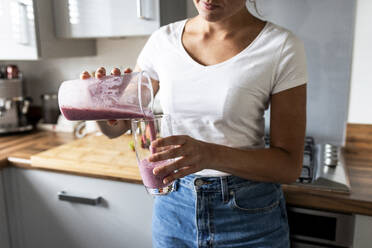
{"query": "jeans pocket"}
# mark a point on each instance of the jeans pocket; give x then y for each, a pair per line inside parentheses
(255, 198)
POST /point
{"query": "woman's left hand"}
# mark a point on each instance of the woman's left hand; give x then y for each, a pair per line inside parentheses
(192, 156)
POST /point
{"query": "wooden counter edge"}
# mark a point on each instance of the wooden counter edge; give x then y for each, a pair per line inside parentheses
(26, 164)
(359, 140)
(324, 202)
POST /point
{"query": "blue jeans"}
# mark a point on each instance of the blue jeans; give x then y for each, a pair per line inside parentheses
(220, 212)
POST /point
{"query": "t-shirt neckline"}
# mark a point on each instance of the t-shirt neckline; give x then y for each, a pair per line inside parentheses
(236, 56)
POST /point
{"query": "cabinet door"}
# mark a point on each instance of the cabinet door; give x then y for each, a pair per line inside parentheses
(17, 25)
(40, 219)
(4, 235)
(363, 231)
(105, 18)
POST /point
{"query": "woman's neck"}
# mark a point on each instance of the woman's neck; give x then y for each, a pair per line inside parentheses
(227, 26)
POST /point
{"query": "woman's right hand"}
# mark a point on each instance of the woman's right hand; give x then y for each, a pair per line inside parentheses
(111, 128)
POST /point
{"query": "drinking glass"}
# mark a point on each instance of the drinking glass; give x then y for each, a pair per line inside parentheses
(144, 131)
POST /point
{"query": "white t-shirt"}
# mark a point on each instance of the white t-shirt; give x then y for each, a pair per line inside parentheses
(223, 103)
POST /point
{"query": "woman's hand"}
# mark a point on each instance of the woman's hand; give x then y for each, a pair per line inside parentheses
(192, 156)
(111, 128)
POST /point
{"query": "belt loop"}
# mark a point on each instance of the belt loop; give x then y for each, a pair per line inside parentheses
(224, 190)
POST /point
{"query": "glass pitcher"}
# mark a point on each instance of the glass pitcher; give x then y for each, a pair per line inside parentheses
(111, 97)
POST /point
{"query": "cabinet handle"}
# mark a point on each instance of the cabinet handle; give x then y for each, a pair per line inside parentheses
(139, 10)
(24, 33)
(63, 196)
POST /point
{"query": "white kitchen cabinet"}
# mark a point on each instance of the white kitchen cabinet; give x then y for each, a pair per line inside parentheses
(362, 232)
(27, 33)
(39, 219)
(114, 18)
(4, 234)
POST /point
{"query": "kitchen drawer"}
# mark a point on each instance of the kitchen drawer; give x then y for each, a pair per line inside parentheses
(40, 219)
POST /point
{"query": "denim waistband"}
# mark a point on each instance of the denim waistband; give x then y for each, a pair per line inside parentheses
(214, 184)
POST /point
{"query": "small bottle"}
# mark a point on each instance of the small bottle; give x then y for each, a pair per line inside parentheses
(50, 110)
(12, 72)
(3, 72)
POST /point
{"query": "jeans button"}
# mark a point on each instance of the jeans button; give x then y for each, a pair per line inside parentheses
(198, 182)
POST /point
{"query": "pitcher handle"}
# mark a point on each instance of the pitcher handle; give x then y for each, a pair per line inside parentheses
(151, 104)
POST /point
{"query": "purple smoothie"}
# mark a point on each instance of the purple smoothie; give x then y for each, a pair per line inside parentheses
(125, 112)
(148, 178)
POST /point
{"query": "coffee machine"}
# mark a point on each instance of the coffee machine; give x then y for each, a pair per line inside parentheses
(13, 105)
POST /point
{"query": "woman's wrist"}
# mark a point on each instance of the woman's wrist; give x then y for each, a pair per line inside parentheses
(213, 154)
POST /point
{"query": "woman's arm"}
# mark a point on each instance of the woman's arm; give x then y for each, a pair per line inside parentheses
(115, 128)
(282, 162)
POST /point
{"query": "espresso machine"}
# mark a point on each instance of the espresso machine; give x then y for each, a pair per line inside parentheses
(13, 104)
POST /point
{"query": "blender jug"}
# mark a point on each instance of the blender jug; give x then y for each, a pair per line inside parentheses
(126, 96)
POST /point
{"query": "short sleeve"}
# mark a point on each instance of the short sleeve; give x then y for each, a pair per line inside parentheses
(291, 69)
(146, 58)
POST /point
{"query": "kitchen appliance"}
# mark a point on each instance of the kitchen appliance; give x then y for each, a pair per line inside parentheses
(13, 106)
(323, 167)
(313, 228)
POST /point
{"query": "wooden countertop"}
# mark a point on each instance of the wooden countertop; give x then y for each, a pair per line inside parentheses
(16, 150)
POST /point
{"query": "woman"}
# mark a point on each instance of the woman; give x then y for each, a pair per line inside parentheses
(218, 73)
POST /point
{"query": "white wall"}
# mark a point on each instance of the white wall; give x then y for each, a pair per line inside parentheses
(360, 106)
